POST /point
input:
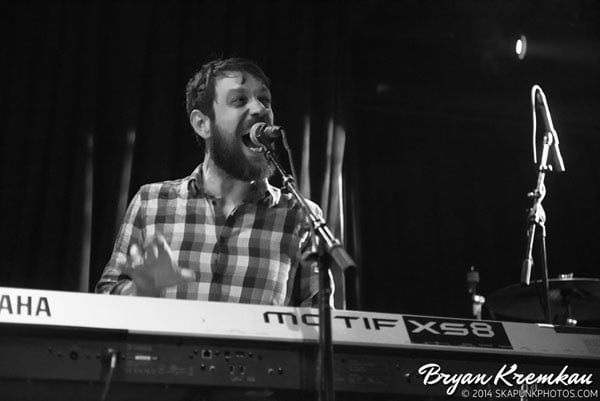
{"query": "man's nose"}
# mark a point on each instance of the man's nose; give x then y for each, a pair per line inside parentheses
(257, 108)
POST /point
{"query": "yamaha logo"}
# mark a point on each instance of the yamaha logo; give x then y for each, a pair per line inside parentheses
(24, 305)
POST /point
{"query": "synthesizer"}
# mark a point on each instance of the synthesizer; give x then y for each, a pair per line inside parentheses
(182, 349)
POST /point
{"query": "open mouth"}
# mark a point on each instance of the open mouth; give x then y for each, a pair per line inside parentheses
(248, 143)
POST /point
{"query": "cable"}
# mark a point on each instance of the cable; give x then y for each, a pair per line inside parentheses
(113, 364)
(289, 152)
(534, 88)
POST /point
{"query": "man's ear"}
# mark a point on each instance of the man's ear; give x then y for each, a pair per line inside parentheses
(200, 123)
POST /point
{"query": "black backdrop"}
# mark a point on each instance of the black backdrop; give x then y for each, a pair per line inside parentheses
(435, 105)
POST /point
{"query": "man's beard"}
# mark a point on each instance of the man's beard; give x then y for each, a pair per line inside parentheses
(229, 156)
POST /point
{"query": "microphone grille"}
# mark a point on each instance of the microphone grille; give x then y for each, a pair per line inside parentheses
(257, 129)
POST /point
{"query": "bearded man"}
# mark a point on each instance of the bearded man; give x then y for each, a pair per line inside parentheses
(223, 233)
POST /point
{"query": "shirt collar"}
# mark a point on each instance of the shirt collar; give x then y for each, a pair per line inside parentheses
(261, 190)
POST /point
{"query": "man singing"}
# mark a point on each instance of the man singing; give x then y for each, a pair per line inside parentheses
(223, 233)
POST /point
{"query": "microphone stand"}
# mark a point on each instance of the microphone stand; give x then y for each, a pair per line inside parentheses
(333, 252)
(537, 219)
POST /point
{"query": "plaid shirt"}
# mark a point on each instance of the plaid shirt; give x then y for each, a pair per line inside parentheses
(251, 256)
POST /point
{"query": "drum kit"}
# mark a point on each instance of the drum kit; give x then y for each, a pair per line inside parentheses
(571, 299)
(566, 299)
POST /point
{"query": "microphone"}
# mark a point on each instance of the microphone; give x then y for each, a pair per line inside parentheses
(263, 134)
(542, 105)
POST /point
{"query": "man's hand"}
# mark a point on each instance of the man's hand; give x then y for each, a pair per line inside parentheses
(153, 268)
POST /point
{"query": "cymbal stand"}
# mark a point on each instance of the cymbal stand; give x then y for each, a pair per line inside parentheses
(565, 296)
(332, 252)
(537, 219)
(477, 300)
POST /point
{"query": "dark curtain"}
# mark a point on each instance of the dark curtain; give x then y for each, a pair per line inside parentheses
(423, 98)
(105, 80)
(444, 132)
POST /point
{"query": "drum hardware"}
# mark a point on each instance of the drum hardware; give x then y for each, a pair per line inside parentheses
(477, 300)
(571, 299)
(537, 216)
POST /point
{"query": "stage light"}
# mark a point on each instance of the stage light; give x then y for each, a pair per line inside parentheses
(521, 47)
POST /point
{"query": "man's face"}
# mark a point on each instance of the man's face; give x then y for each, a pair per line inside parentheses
(241, 100)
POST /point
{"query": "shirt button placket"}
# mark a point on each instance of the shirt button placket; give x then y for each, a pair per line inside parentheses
(221, 245)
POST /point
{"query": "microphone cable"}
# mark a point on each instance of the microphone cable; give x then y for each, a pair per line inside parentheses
(534, 89)
(289, 153)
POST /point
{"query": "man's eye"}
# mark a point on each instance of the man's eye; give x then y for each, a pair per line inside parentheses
(239, 100)
(266, 101)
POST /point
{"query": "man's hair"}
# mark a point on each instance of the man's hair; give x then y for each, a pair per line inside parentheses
(200, 89)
